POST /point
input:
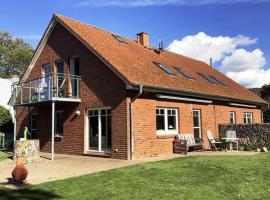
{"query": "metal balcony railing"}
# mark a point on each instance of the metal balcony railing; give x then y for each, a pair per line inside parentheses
(51, 87)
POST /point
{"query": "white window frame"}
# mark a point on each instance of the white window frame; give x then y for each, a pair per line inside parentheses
(246, 117)
(233, 115)
(200, 125)
(88, 150)
(167, 131)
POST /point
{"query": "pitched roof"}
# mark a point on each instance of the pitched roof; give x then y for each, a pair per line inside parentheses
(134, 64)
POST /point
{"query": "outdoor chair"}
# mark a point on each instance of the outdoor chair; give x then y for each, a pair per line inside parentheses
(212, 141)
(186, 142)
(60, 88)
(231, 138)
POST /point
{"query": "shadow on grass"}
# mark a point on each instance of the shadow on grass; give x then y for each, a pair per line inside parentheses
(26, 194)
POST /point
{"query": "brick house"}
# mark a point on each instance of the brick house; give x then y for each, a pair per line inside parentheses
(88, 91)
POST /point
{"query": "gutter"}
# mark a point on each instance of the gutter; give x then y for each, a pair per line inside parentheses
(132, 100)
(196, 95)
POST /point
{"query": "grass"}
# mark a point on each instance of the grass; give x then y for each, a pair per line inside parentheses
(217, 177)
(4, 156)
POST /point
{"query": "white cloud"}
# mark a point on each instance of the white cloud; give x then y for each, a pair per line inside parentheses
(251, 78)
(241, 60)
(140, 3)
(245, 67)
(203, 47)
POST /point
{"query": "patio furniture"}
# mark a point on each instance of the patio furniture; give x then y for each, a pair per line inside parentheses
(212, 141)
(231, 139)
(186, 142)
(180, 146)
(60, 88)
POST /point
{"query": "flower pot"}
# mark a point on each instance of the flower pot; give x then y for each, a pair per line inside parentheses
(20, 172)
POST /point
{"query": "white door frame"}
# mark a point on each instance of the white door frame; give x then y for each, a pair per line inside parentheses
(86, 147)
(200, 126)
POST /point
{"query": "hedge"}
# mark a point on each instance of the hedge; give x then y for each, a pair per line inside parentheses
(251, 136)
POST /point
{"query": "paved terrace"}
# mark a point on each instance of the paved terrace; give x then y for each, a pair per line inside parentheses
(66, 166)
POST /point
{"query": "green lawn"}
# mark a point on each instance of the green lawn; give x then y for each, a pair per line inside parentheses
(3, 156)
(223, 177)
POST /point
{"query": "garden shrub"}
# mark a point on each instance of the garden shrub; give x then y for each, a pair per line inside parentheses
(251, 136)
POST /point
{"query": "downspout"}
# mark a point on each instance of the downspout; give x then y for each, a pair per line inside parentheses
(131, 122)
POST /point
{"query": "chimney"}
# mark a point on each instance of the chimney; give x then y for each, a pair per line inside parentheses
(143, 39)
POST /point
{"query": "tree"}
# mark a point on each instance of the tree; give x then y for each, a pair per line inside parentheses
(15, 55)
(5, 116)
(265, 94)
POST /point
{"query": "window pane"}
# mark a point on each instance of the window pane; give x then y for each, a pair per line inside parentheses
(160, 122)
(93, 133)
(196, 121)
(161, 111)
(196, 133)
(59, 123)
(106, 133)
(172, 122)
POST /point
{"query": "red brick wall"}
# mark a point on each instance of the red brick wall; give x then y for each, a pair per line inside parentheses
(99, 87)
(147, 142)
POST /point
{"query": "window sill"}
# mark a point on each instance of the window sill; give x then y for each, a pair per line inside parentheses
(58, 136)
(166, 136)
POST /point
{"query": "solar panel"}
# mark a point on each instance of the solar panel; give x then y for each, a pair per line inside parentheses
(161, 66)
(219, 80)
(186, 74)
(119, 38)
(208, 78)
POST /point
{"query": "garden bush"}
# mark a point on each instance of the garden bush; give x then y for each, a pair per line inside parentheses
(251, 136)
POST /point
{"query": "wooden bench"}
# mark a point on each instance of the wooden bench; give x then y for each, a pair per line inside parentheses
(184, 142)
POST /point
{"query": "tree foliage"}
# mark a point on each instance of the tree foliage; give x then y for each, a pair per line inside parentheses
(5, 116)
(15, 55)
(265, 94)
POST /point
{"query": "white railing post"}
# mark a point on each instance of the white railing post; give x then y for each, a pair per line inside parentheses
(57, 86)
(30, 88)
(21, 93)
(52, 142)
(38, 89)
(78, 88)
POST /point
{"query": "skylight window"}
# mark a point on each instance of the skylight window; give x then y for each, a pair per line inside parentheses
(183, 72)
(119, 38)
(208, 78)
(161, 66)
(218, 80)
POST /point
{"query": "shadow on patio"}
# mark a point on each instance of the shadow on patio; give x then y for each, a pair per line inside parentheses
(25, 194)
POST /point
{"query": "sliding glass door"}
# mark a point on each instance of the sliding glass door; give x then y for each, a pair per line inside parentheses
(99, 133)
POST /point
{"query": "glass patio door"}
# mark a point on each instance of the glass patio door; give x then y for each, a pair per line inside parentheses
(197, 124)
(74, 71)
(45, 87)
(99, 121)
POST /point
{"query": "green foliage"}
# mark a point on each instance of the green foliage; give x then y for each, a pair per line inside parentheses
(5, 116)
(265, 92)
(251, 136)
(15, 55)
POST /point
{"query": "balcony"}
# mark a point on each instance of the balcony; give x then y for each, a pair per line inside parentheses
(51, 87)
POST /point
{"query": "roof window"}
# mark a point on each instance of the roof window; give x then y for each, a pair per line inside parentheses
(166, 69)
(119, 38)
(183, 72)
(208, 78)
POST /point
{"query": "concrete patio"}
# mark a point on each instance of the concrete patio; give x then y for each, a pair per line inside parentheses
(66, 166)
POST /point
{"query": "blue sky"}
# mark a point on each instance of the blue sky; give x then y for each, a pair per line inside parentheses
(179, 20)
